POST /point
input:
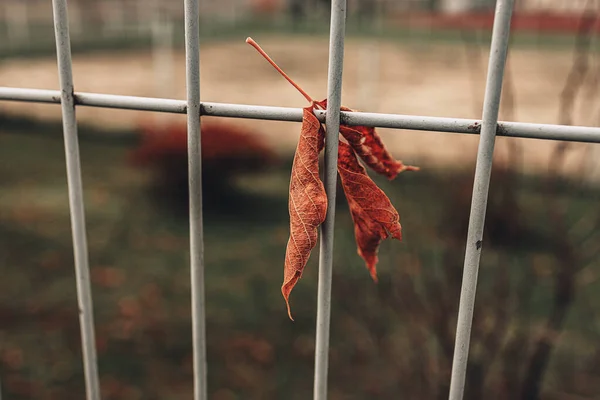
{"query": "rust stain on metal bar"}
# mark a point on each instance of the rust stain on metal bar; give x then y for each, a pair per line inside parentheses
(475, 127)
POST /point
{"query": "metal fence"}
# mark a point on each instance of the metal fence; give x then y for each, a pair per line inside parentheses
(488, 128)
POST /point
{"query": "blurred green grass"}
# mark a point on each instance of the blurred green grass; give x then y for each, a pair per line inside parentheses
(94, 39)
(140, 270)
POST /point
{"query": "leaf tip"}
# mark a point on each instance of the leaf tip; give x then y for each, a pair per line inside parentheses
(286, 297)
(373, 273)
(286, 290)
(289, 310)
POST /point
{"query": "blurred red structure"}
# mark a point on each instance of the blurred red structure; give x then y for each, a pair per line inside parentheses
(543, 22)
(228, 150)
(267, 6)
(228, 147)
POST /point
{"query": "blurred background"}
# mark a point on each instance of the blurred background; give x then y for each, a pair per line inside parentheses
(537, 317)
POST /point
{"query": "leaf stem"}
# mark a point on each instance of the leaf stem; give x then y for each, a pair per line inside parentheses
(252, 43)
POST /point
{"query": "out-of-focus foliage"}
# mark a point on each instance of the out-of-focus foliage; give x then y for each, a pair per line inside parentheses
(535, 320)
(228, 151)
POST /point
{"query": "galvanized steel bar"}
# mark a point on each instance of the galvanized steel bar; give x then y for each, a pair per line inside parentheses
(96, 100)
(483, 169)
(192, 63)
(131, 103)
(586, 134)
(334, 99)
(84, 291)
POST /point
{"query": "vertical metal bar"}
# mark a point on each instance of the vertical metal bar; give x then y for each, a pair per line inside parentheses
(334, 98)
(483, 169)
(192, 61)
(84, 291)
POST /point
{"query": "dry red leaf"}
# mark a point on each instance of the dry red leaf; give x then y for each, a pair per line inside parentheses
(368, 145)
(374, 216)
(307, 202)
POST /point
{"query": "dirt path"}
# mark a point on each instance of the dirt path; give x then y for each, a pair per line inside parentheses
(426, 79)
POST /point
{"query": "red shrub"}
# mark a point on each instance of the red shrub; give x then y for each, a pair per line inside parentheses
(228, 150)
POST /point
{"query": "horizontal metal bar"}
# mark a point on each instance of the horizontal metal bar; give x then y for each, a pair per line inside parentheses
(96, 100)
(586, 134)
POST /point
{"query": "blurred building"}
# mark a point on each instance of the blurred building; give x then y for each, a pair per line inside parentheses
(557, 6)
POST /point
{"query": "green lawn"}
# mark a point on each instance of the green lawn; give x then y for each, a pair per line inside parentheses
(213, 29)
(386, 338)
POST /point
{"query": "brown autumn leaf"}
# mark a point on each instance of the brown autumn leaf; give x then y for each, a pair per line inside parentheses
(368, 145)
(307, 202)
(374, 216)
